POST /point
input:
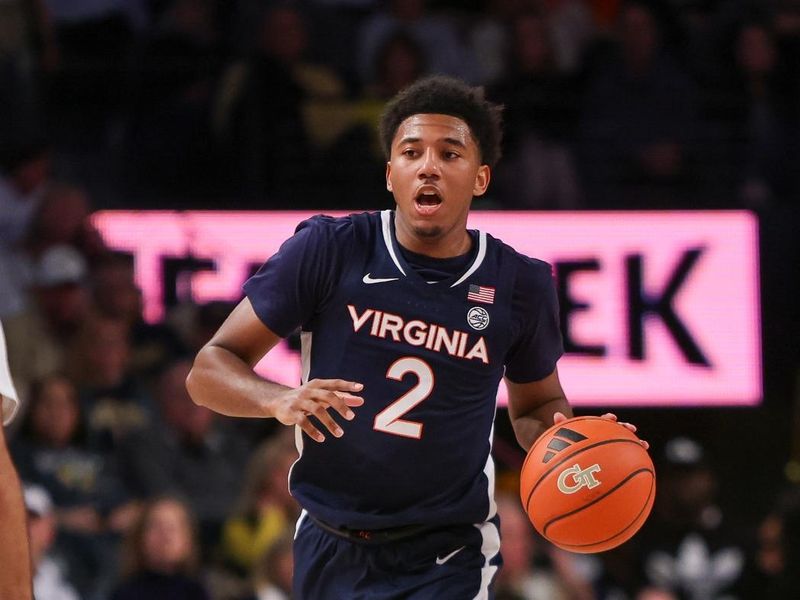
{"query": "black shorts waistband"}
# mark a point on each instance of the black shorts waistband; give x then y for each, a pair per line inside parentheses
(375, 536)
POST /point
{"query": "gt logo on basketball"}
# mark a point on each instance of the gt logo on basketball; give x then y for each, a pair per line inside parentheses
(579, 478)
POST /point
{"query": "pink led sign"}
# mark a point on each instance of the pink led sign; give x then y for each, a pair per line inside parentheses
(658, 308)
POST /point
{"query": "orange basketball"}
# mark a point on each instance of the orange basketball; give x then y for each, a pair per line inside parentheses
(587, 484)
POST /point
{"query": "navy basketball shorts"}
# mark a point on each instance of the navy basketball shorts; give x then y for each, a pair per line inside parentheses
(453, 563)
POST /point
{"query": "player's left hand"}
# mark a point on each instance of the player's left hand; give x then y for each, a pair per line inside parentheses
(558, 417)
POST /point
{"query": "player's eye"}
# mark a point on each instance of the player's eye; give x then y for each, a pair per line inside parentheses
(410, 153)
(450, 155)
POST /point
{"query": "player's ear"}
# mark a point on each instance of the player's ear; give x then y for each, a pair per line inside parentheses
(388, 174)
(482, 179)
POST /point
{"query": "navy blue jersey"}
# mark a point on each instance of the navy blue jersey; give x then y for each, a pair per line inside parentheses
(430, 356)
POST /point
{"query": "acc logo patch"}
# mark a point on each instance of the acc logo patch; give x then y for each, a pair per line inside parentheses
(574, 478)
(478, 318)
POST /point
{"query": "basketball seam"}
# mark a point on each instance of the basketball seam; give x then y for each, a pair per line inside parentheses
(619, 533)
(566, 458)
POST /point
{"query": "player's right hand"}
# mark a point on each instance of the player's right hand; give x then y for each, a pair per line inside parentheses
(314, 398)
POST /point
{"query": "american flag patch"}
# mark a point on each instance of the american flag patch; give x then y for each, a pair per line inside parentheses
(481, 293)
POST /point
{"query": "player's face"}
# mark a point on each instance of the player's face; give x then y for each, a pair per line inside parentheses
(433, 172)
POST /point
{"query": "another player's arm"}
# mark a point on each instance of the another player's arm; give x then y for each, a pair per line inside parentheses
(15, 569)
(534, 406)
(222, 379)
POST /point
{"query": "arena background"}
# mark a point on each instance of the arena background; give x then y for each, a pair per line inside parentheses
(118, 110)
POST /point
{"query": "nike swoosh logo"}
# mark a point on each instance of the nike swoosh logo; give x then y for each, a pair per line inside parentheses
(368, 280)
(440, 560)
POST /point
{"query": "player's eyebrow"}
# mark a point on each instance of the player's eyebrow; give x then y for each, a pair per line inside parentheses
(447, 140)
(455, 142)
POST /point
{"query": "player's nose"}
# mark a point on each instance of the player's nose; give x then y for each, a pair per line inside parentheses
(429, 165)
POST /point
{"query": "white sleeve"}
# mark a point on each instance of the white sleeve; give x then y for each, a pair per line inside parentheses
(7, 391)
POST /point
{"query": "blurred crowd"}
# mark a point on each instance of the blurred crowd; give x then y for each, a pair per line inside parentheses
(259, 104)
(132, 490)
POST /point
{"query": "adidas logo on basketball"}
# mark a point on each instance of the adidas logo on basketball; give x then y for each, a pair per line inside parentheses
(564, 438)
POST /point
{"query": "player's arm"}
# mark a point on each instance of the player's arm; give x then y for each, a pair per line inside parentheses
(15, 572)
(534, 406)
(15, 561)
(222, 379)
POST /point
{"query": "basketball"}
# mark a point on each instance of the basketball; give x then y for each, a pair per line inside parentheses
(587, 484)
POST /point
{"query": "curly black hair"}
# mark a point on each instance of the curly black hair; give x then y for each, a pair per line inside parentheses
(446, 96)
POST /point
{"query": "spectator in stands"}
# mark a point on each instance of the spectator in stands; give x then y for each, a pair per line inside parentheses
(272, 573)
(27, 46)
(762, 125)
(569, 23)
(637, 121)
(531, 569)
(117, 296)
(775, 572)
(115, 401)
(114, 289)
(177, 71)
(161, 555)
(399, 62)
(24, 171)
(352, 164)
(541, 111)
(39, 338)
(571, 28)
(50, 580)
(93, 38)
(205, 320)
(61, 218)
(64, 218)
(604, 12)
(488, 38)
(787, 584)
(265, 509)
(51, 450)
(189, 451)
(686, 546)
(91, 503)
(444, 51)
(262, 109)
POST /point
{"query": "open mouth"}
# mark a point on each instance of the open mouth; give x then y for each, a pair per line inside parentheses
(427, 201)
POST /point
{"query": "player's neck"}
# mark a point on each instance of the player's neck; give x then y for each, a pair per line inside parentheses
(445, 245)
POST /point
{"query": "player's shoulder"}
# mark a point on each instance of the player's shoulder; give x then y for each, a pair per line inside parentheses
(338, 227)
(530, 272)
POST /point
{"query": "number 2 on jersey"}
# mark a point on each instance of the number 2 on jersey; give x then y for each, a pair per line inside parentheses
(389, 419)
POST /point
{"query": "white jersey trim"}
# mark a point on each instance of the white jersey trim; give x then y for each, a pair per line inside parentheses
(488, 470)
(386, 226)
(490, 545)
(478, 259)
(306, 338)
(9, 401)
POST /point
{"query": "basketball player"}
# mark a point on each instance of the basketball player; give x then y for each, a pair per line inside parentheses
(408, 322)
(15, 568)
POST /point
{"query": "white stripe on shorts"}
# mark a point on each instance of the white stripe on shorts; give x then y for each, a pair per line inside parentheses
(490, 546)
(300, 519)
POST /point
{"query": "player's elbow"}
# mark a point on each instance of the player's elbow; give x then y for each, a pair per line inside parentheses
(194, 380)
